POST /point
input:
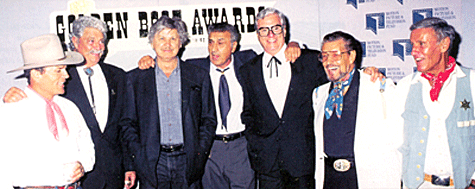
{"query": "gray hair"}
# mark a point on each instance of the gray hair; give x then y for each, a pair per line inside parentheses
(225, 27)
(83, 22)
(165, 22)
(267, 11)
(441, 27)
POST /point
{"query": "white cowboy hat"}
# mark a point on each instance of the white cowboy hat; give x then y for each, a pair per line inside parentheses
(46, 50)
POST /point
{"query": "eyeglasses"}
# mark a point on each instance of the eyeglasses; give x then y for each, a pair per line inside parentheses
(335, 55)
(264, 31)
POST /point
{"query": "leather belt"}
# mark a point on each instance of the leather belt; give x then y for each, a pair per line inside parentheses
(171, 148)
(69, 186)
(439, 181)
(229, 137)
(340, 164)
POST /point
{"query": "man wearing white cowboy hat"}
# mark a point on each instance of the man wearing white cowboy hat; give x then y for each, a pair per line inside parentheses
(98, 90)
(44, 137)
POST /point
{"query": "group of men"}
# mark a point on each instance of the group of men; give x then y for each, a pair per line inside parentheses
(304, 119)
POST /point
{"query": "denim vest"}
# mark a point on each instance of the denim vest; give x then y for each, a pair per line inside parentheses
(460, 125)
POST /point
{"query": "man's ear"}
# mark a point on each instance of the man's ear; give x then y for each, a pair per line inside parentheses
(234, 44)
(352, 56)
(35, 74)
(75, 41)
(444, 44)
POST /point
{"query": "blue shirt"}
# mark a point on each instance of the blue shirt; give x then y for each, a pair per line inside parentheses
(169, 106)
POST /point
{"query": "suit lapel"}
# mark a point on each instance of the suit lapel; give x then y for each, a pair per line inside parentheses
(111, 89)
(260, 85)
(292, 94)
(185, 93)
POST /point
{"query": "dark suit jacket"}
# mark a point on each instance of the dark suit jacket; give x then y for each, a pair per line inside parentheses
(141, 121)
(109, 167)
(240, 58)
(288, 141)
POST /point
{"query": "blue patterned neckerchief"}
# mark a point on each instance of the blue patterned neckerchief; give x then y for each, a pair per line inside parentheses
(335, 99)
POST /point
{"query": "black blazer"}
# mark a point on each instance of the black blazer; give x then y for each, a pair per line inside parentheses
(141, 121)
(109, 168)
(288, 141)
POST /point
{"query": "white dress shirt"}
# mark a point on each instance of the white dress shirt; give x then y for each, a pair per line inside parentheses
(277, 87)
(100, 91)
(235, 94)
(33, 156)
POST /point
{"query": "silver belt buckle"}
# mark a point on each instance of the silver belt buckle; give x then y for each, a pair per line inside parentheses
(342, 165)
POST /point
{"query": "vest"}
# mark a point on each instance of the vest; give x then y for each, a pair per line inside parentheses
(460, 125)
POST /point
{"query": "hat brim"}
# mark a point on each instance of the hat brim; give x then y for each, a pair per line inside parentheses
(71, 58)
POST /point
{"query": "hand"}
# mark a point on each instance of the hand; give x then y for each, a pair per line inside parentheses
(146, 62)
(78, 172)
(129, 179)
(471, 186)
(292, 52)
(14, 95)
(375, 74)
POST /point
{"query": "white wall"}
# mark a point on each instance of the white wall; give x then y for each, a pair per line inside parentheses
(310, 20)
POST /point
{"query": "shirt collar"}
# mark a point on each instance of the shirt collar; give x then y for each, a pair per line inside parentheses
(230, 66)
(457, 72)
(280, 56)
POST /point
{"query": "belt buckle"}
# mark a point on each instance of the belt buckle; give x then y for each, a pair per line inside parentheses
(435, 180)
(225, 139)
(341, 165)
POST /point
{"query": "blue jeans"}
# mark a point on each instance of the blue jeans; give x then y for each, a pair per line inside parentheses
(171, 170)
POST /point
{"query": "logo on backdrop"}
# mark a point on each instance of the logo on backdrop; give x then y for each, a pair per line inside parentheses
(375, 21)
(373, 48)
(355, 3)
(445, 13)
(420, 14)
(363, 47)
(402, 48)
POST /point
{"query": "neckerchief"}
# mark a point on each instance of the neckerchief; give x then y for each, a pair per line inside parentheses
(335, 99)
(438, 81)
(50, 105)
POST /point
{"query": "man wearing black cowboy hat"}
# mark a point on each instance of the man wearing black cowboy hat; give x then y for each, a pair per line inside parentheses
(44, 138)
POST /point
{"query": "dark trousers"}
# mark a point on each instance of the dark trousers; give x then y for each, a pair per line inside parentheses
(228, 166)
(281, 179)
(171, 172)
(335, 179)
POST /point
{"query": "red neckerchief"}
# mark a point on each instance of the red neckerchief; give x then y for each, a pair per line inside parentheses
(438, 81)
(50, 105)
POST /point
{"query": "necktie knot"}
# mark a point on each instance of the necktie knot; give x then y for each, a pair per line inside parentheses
(276, 62)
(222, 70)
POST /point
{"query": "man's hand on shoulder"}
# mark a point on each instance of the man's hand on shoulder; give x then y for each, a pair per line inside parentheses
(292, 52)
(14, 95)
(146, 62)
(374, 73)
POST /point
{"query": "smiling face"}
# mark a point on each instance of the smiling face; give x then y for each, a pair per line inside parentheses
(166, 45)
(428, 53)
(271, 43)
(220, 48)
(50, 81)
(90, 45)
(337, 68)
